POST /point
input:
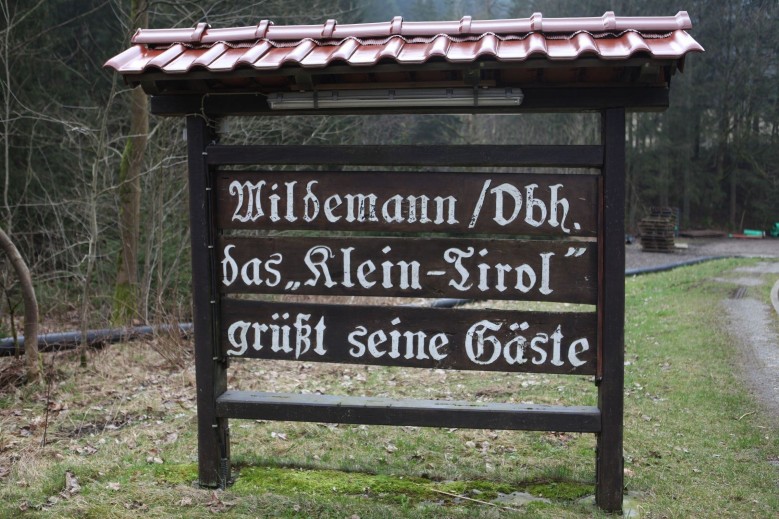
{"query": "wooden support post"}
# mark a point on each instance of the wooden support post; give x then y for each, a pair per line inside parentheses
(609, 475)
(210, 366)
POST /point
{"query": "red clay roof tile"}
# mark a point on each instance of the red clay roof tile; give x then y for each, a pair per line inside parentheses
(267, 47)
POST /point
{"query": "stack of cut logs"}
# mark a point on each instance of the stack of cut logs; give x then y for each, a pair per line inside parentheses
(657, 230)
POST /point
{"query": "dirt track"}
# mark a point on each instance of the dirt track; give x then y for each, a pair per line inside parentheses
(751, 321)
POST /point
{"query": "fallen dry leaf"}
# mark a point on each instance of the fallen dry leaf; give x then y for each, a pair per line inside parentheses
(71, 484)
(87, 450)
(136, 505)
(216, 504)
(56, 407)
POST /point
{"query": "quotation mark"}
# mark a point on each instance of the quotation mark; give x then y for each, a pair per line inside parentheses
(575, 252)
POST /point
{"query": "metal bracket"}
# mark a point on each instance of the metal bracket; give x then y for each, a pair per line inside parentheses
(224, 462)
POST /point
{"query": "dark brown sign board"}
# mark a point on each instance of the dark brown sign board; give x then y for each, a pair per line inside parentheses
(551, 237)
(486, 340)
(535, 270)
(493, 203)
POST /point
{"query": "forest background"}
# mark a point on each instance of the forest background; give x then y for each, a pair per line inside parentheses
(93, 189)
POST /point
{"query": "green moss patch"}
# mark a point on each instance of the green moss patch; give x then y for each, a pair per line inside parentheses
(483, 490)
(330, 482)
(387, 488)
(176, 474)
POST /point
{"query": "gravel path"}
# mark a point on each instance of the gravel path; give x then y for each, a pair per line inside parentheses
(752, 328)
(698, 248)
(751, 322)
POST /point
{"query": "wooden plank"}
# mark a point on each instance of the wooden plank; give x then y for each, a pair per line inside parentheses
(484, 340)
(417, 413)
(530, 270)
(609, 470)
(494, 203)
(339, 74)
(475, 155)
(211, 375)
(537, 99)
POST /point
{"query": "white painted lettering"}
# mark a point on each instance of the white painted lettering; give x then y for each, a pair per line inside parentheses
(229, 267)
(553, 209)
(576, 348)
(531, 204)
(476, 353)
(500, 206)
(319, 267)
(310, 203)
(455, 256)
(290, 217)
(331, 204)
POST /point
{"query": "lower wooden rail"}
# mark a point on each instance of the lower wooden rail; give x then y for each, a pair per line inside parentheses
(421, 413)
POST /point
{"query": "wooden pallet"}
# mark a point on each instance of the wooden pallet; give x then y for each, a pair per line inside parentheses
(657, 231)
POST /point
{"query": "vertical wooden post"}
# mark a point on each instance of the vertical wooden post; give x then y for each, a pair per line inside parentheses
(210, 367)
(611, 305)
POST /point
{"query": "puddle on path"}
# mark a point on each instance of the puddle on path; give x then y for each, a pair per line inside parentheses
(517, 499)
(764, 267)
(747, 282)
(631, 503)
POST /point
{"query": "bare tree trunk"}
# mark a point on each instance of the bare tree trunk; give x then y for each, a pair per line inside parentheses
(30, 307)
(7, 114)
(126, 291)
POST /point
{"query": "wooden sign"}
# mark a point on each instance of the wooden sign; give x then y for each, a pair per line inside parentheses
(559, 271)
(495, 203)
(556, 238)
(487, 340)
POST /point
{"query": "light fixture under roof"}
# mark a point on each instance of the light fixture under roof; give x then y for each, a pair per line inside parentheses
(406, 97)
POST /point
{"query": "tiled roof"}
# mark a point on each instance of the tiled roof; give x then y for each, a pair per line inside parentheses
(267, 48)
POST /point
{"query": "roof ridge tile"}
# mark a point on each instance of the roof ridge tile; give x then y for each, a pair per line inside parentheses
(398, 27)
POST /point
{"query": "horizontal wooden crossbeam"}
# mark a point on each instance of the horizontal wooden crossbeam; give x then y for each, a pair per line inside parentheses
(537, 99)
(420, 413)
(477, 155)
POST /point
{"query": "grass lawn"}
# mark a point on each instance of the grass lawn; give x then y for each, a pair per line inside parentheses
(120, 436)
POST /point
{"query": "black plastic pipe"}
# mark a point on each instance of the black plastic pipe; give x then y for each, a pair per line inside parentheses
(671, 266)
(70, 340)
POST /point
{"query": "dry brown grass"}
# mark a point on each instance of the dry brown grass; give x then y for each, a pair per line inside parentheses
(120, 435)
